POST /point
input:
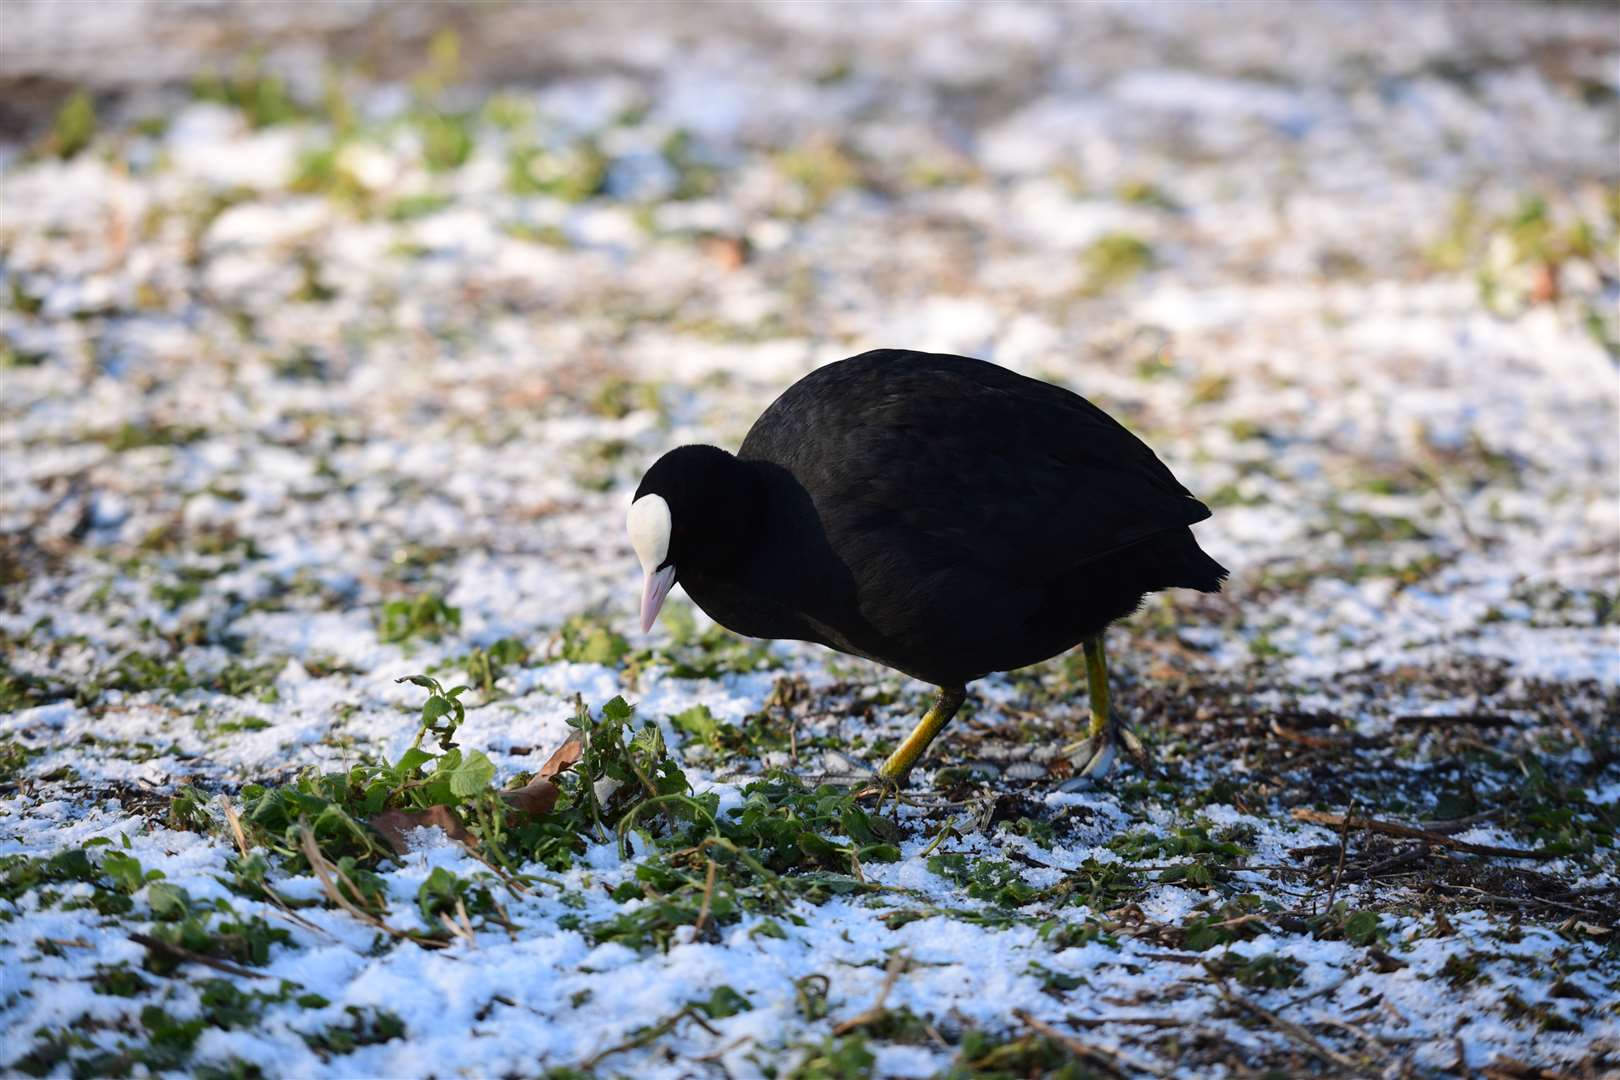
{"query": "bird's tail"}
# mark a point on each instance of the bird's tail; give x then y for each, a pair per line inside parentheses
(1207, 574)
(1188, 566)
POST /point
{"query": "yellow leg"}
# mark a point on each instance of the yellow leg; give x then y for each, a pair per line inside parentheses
(906, 754)
(1097, 684)
(1100, 744)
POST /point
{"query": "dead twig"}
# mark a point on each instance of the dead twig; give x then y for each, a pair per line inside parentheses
(1467, 719)
(1293, 1031)
(897, 964)
(1318, 992)
(1503, 1067)
(1429, 472)
(1517, 902)
(1112, 1060)
(1372, 1043)
(1395, 862)
(236, 826)
(1457, 825)
(647, 1036)
(180, 952)
(1408, 832)
(716, 1055)
(324, 871)
(1344, 846)
(1139, 1021)
(708, 897)
(270, 894)
(1314, 742)
(461, 925)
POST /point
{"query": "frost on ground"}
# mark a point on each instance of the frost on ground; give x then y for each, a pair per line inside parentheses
(310, 383)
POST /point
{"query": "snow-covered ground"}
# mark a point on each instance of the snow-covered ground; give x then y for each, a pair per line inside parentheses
(310, 381)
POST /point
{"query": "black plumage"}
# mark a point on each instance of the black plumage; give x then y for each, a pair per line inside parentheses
(940, 515)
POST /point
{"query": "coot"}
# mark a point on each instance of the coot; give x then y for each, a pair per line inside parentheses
(941, 515)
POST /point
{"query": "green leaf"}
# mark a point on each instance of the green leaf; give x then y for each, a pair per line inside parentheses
(820, 848)
(602, 647)
(1362, 928)
(617, 709)
(698, 721)
(75, 125)
(126, 872)
(411, 760)
(681, 623)
(724, 1002)
(433, 708)
(438, 893)
(880, 853)
(588, 642)
(474, 775)
(648, 742)
(167, 901)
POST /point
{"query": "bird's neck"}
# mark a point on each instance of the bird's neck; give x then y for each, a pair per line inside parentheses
(735, 515)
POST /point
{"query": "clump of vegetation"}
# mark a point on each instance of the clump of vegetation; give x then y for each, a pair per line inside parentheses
(261, 95)
(447, 139)
(485, 666)
(425, 616)
(1113, 260)
(994, 881)
(1268, 971)
(322, 170)
(74, 127)
(820, 169)
(573, 173)
(583, 640)
(696, 174)
(1532, 253)
(1146, 193)
(692, 653)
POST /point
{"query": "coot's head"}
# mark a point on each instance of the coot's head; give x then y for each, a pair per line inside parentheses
(690, 519)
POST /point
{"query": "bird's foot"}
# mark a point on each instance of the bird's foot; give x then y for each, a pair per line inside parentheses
(1095, 756)
(837, 767)
(842, 770)
(885, 789)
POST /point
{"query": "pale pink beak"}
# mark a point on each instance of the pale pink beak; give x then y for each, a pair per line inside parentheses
(657, 586)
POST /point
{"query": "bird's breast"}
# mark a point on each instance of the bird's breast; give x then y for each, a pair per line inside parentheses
(742, 610)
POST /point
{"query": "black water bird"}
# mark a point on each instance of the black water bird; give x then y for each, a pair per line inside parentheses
(940, 515)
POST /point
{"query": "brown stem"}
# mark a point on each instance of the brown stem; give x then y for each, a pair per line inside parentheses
(1390, 828)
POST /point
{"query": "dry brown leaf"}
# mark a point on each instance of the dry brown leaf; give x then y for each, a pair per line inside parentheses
(730, 252)
(395, 825)
(536, 797)
(539, 795)
(562, 758)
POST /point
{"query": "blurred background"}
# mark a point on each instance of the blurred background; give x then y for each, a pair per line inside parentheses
(311, 306)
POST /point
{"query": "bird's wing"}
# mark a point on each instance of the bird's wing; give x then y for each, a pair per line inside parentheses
(964, 464)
